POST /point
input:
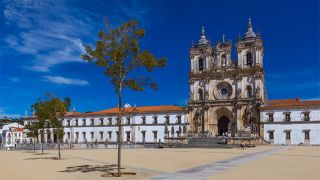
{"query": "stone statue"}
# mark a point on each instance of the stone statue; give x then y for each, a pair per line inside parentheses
(239, 93)
(258, 92)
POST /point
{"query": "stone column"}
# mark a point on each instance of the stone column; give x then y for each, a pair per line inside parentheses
(51, 136)
(239, 123)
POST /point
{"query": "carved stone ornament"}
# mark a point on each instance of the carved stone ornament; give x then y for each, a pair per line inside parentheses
(258, 75)
(239, 78)
(258, 92)
(206, 95)
(239, 93)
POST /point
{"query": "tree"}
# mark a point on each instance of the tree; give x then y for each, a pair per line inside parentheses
(50, 113)
(56, 111)
(117, 51)
(67, 102)
(40, 113)
(33, 132)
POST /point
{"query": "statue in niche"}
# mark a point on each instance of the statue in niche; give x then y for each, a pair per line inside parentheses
(239, 93)
(191, 95)
(247, 115)
(258, 95)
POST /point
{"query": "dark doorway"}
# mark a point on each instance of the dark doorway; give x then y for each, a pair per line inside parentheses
(55, 138)
(223, 123)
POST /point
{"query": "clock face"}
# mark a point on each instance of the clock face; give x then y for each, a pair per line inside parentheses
(223, 90)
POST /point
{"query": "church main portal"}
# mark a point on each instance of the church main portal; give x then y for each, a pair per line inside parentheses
(223, 124)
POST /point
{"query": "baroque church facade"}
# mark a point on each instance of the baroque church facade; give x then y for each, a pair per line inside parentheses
(225, 94)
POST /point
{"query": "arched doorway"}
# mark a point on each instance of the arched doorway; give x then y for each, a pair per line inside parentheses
(223, 123)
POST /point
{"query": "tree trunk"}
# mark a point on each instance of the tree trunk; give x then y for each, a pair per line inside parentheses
(34, 145)
(59, 153)
(119, 132)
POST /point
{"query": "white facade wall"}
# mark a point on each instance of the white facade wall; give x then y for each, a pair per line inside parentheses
(297, 133)
(297, 126)
(135, 128)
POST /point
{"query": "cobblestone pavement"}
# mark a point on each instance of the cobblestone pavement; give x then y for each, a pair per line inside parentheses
(210, 169)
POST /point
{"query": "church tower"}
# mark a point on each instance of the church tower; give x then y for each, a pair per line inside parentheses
(225, 94)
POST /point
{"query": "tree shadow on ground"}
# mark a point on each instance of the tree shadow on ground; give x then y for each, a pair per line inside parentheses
(108, 170)
(50, 158)
(91, 168)
(38, 153)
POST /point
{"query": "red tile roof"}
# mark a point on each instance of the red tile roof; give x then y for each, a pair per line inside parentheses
(17, 129)
(70, 114)
(141, 109)
(291, 103)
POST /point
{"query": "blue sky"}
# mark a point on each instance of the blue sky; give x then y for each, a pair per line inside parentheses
(41, 43)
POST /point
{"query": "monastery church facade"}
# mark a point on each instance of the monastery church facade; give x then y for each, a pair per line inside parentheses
(225, 94)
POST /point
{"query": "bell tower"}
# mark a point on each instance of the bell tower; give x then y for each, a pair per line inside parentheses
(250, 49)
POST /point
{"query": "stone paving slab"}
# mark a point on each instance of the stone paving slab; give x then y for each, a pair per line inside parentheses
(203, 171)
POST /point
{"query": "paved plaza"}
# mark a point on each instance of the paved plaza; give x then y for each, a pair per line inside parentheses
(262, 162)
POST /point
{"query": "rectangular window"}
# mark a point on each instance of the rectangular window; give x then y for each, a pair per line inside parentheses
(92, 135)
(77, 135)
(91, 122)
(155, 120)
(128, 120)
(84, 135)
(271, 135)
(68, 135)
(179, 119)
(270, 118)
(287, 117)
(110, 121)
(306, 135)
(167, 119)
(306, 116)
(143, 120)
(288, 137)
(155, 135)
(76, 123)
(84, 122)
(101, 122)
(128, 136)
(101, 135)
(68, 123)
(110, 134)
(143, 136)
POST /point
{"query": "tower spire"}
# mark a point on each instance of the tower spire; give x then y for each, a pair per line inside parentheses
(203, 40)
(249, 25)
(203, 32)
(250, 33)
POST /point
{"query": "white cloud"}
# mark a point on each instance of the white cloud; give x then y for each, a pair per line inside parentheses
(51, 31)
(66, 81)
(46, 30)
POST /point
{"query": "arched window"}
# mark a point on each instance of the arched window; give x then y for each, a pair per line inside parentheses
(200, 94)
(200, 64)
(223, 60)
(249, 59)
(249, 91)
